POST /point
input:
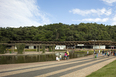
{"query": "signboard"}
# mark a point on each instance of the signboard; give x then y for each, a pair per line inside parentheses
(80, 44)
(60, 47)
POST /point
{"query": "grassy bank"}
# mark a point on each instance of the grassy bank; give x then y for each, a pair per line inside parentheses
(29, 50)
(107, 71)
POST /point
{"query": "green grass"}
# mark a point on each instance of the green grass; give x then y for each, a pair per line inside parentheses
(107, 71)
(85, 51)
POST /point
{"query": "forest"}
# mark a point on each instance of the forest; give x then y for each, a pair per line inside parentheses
(59, 32)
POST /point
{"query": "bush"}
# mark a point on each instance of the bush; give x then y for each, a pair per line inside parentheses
(2, 49)
(20, 48)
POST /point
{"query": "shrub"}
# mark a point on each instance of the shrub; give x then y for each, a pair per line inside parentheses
(2, 49)
(20, 47)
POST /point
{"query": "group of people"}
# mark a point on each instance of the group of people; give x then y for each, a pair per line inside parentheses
(108, 53)
(59, 58)
(66, 56)
(105, 53)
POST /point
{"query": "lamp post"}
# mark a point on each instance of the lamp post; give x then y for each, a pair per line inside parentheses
(94, 40)
(94, 46)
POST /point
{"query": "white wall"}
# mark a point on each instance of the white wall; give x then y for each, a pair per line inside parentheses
(99, 47)
(60, 47)
(31, 47)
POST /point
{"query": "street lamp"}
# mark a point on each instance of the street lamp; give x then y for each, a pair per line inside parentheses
(94, 40)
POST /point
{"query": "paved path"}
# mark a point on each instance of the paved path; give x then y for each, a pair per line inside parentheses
(78, 67)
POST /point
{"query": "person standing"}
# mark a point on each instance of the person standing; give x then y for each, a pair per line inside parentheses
(60, 56)
(67, 54)
(87, 52)
(114, 53)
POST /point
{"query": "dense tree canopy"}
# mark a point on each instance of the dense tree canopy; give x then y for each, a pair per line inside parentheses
(59, 32)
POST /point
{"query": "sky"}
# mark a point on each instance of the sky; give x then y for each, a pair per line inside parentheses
(21, 13)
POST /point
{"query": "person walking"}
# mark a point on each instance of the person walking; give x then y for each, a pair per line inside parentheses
(97, 54)
(114, 53)
(103, 53)
(108, 53)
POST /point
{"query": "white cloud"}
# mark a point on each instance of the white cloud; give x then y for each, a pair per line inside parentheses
(114, 20)
(93, 20)
(109, 1)
(99, 12)
(16, 13)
